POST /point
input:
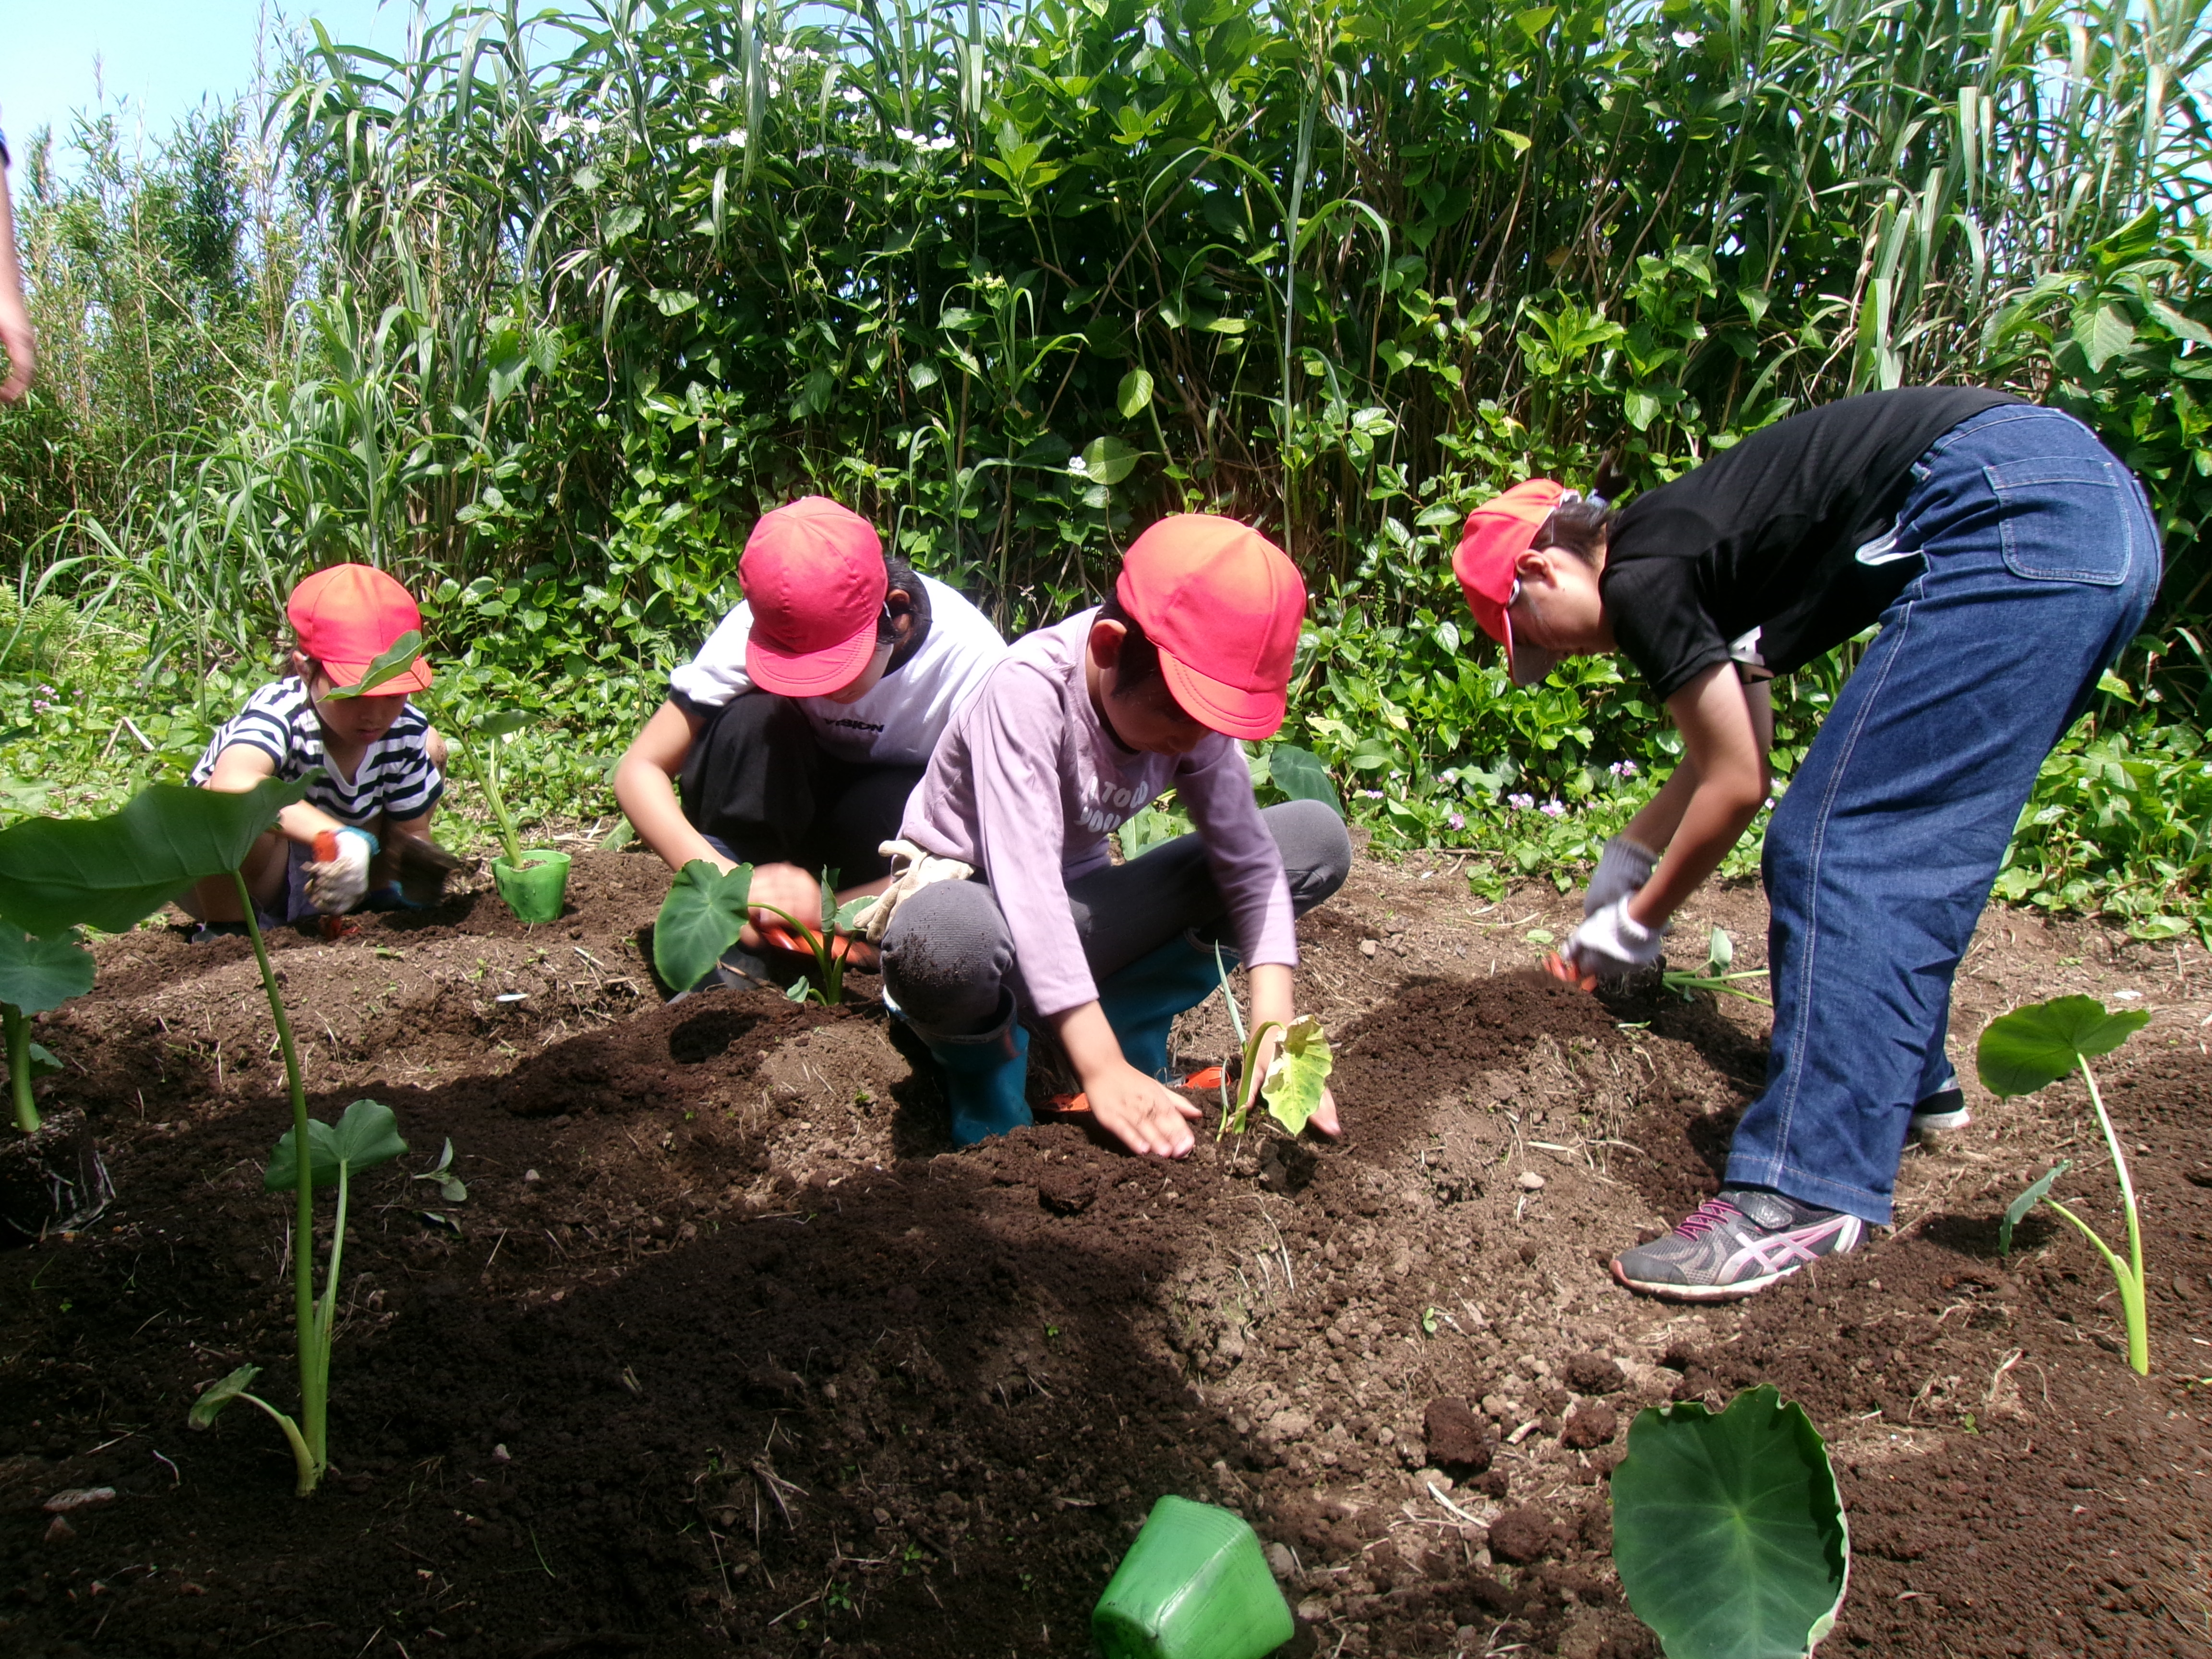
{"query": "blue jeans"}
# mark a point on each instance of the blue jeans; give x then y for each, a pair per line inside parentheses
(2039, 560)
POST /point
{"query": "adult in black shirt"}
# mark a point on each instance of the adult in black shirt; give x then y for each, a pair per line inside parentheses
(2007, 558)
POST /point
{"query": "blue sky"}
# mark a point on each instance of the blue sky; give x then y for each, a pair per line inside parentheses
(159, 57)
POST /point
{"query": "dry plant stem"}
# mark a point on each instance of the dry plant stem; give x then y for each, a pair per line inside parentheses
(18, 1026)
(309, 1439)
(2127, 1275)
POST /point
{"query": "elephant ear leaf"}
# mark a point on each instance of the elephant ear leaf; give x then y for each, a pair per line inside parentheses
(366, 1136)
(395, 660)
(1727, 1529)
(1299, 774)
(2017, 1211)
(2033, 1046)
(218, 1394)
(38, 974)
(699, 918)
(113, 872)
(1297, 1074)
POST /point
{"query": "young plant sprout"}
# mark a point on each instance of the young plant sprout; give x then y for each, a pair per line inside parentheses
(366, 1136)
(707, 908)
(1720, 956)
(35, 975)
(491, 732)
(1294, 1075)
(2031, 1048)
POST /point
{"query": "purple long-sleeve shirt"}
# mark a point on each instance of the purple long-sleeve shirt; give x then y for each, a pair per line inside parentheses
(1026, 783)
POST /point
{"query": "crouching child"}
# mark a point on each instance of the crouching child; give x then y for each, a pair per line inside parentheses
(1081, 727)
(378, 766)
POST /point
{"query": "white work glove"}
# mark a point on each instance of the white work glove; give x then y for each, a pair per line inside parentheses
(1622, 869)
(1613, 943)
(912, 870)
(336, 886)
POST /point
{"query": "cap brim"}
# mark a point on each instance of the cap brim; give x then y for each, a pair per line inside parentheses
(1228, 709)
(812, 673)
(344, 676)
(1526, 664)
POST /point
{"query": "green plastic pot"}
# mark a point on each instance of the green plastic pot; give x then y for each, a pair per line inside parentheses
(536, 891)
(1194, 1585)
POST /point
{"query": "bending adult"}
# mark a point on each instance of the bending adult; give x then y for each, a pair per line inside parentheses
(2007, 558)
(805, 722)
(14, 318)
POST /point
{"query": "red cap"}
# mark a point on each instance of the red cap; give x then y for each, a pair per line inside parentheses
(1497, 533)
(813, 573)
(349, 616)
(1223, 603)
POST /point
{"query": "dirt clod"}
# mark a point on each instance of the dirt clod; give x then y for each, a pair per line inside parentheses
(1592, 1373)
(1458, 1439)
(1591, 1424)
(1523, 1535)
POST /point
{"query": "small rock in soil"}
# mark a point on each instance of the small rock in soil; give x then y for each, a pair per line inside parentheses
(78, 1498)
(1522, 1536)
(1368, 946)
(60, 1532)
(1593, 1424)
(1457, 1439)
(1530, 1181)
(1593, 1373)
(1280, 1562)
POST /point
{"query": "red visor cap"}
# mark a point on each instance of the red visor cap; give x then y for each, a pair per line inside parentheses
(349, 616)
(813, 573)
(1223, 603)
(1497, 533)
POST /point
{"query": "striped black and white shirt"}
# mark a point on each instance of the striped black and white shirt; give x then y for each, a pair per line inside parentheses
(395, 775)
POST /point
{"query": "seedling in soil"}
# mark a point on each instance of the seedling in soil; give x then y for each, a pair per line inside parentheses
(35, 975)
(450, 1187)
(707, 908)
(365, 1137)
(490, 732)
(1728, 1530)
(1295, 1078)
(1720, 957)
(2031, 1048)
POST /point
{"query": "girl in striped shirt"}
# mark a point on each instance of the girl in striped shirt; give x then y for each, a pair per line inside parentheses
(379, 764)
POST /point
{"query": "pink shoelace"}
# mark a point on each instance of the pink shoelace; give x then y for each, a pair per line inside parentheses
(1712, 1213)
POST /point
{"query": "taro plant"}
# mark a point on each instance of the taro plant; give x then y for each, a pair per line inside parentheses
(1720, 957)
(366, 1136)
(490, 734)
(1728, 1530)
(2031, 1048)
(1295, 1078)
(35, 975)
(707, 908)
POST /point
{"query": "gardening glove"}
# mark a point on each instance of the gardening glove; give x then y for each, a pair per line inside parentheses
(1622, 869)
(912, 870)
(1612, 943)
(336, 884)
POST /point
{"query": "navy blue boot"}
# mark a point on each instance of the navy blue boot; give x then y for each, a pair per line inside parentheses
(1142, 1001)
(984, 1076)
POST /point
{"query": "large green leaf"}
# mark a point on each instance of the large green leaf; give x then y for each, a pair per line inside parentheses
(366, 1136)
(699, 918)
(1727, 1531)
(1108, 460)
(395, 660)
(1299, 774)
(1297, 1074)
(1133, 396)
(2022, 1051)
(112, 873)
(38, 974)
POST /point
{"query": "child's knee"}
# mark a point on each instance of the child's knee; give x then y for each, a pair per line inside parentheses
(946, 953)
(1316, 846)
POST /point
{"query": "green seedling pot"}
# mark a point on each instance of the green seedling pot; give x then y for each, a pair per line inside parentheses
(537, 892)
(1194, 1585)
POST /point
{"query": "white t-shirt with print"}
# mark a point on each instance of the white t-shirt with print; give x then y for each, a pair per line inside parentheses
(899, 722)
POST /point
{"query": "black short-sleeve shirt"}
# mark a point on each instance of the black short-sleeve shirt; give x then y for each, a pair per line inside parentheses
(1773, 551)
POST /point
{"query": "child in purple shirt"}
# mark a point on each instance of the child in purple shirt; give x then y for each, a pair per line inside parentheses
(1082, 725)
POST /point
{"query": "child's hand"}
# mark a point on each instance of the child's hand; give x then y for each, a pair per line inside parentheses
(1324, 1117)
(787, 887)
(338, 883)
(1148, 1116)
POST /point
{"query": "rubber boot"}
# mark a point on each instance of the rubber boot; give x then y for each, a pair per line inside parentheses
(1142, 1001)
(984, 1077)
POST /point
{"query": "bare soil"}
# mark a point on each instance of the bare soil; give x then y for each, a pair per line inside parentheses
(726, 1352)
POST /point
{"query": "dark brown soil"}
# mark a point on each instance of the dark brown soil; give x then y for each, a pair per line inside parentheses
(725, 1352)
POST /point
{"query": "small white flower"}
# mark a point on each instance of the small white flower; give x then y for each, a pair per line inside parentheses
(903, 136)
(695, 142)
(852, 94)
(1684, 38)
(718, 86)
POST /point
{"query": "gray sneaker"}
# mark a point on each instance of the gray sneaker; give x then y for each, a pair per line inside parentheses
(1735, 1245)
